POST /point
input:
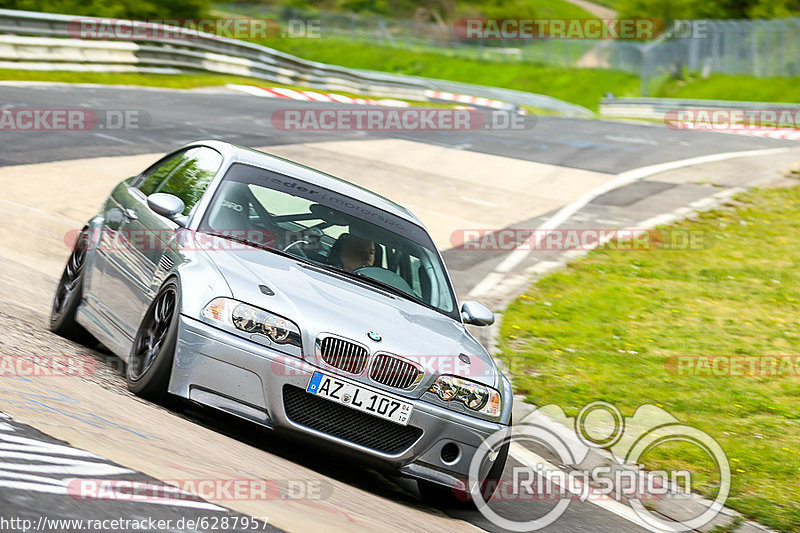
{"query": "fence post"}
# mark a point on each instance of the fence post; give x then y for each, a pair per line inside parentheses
(781, 70)
(796, 44)
(754, 50)
(644, 72)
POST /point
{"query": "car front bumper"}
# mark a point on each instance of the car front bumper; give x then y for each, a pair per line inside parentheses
(253, 381)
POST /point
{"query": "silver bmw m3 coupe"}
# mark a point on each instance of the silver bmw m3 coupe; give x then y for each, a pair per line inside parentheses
(294, 300)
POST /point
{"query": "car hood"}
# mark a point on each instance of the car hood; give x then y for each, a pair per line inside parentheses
(323, 301)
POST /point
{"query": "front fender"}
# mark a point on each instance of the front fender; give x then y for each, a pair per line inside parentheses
(200, 281)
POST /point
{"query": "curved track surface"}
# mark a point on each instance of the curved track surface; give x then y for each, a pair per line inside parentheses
(51, 182)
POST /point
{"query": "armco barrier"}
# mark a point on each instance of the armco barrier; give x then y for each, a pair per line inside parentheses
(42, 41)
(657, 108)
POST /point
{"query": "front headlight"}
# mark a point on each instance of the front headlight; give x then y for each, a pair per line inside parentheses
(249, 319)
(475, 396)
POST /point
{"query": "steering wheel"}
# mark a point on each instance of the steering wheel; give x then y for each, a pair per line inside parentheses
(306, 237)
(300, 252)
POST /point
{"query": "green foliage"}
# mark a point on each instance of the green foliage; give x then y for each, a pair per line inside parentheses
(151, 9)
(669, 10)
(607, 326)
(581, 86)
(726, 87)
(524, 9)
(438, 10)
(666, 10)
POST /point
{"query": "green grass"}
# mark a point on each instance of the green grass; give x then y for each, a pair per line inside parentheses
(613, 4)
(581, 86)
(170, 81)
(603, 328)
(542, 9)
(723, 87)
(406, 9)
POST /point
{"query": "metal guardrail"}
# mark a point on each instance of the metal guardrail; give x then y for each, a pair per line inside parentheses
(657, 108)
(31, 40)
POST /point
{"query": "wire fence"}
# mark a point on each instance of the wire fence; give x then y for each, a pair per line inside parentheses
(760, 48)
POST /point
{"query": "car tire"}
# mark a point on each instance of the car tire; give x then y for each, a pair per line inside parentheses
(69, 294)
(458, 497)
(150, 362)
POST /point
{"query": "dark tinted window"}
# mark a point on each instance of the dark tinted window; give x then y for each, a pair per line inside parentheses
(330, 229)
(189, 181)
(158, 174)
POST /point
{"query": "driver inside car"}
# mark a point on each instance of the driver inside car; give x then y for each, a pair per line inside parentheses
(357, 252)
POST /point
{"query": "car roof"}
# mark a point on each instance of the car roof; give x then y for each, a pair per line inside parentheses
(249, 156)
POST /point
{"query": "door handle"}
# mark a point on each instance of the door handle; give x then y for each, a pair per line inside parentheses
(130, 214)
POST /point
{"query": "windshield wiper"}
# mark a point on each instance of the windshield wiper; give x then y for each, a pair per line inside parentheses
(381, 284)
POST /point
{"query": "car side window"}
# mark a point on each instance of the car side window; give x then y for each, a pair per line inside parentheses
(155, 176)
(189, 181)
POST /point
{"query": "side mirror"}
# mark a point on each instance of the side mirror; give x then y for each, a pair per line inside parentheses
(167, 205)
(476, 314)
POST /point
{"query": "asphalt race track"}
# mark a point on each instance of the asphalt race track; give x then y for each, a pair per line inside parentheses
(52, 181)
(177, 117)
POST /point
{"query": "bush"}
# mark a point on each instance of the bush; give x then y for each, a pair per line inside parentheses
(151, 9)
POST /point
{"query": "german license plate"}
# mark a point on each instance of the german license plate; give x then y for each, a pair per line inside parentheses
(360, 398)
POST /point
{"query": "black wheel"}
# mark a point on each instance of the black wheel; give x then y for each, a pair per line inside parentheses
(150, 362)
(69, 293)
(442, 496)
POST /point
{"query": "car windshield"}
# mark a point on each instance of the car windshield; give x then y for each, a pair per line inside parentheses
(332, 230)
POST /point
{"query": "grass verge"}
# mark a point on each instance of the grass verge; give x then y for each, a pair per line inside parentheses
(171, 81)
(580, 86)
(724, 87)
(521, 9)
(605, 327)
(585, 87)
